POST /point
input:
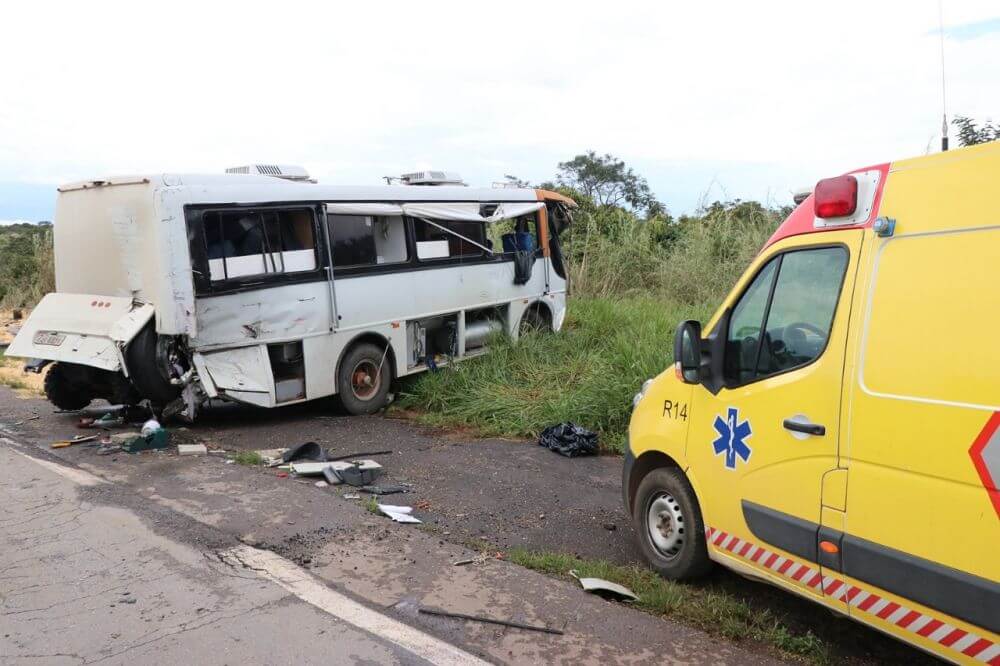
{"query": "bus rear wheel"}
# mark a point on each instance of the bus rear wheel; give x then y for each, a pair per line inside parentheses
(364, 379)
(66, 387)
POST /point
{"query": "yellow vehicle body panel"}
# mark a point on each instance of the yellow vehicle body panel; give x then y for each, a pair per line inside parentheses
(900, 493)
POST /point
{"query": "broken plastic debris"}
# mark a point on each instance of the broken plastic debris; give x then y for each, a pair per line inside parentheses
(605, 588)
(400, 514)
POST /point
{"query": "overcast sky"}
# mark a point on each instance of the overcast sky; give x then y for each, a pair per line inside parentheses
(708, 100)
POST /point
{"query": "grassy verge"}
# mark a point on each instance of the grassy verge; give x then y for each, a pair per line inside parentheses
(13, 376)
(710, 609)
(250, 458)
(588, 373)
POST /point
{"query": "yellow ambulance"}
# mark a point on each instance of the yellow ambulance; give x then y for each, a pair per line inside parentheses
(835, 429)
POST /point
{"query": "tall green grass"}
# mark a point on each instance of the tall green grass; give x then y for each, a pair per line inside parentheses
(587, 374)
(631, 282)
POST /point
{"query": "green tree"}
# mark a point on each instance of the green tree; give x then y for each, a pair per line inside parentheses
(609, 182)
(970, 133)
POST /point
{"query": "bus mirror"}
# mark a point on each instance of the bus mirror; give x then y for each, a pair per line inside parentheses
(687, 352)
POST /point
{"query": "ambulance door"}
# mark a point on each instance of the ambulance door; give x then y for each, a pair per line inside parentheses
(760, 447)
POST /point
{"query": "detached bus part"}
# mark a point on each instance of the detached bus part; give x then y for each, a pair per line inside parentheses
(260, 286)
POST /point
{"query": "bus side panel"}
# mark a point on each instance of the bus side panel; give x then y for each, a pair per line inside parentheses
(274, 314)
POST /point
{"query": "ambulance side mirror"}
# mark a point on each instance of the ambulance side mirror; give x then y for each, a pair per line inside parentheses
(688, 352)
(700, 360)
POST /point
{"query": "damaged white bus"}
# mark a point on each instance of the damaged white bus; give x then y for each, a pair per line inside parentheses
(272, 290)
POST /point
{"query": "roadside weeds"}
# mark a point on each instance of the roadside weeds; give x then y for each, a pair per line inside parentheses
(703, 607)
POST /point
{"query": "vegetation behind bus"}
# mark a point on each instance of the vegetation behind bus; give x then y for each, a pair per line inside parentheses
(633, 276)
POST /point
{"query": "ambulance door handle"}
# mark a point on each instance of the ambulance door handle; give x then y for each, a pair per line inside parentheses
(805, 427)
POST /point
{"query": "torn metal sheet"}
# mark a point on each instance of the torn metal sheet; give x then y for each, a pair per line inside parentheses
(400, 514)
(246, 369)
(605, 588)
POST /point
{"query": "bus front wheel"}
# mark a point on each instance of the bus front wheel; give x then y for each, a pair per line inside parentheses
(364, 379)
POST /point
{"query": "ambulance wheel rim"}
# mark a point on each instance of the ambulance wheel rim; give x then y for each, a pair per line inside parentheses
(665, 524)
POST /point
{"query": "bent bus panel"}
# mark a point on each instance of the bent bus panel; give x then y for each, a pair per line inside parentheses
(835, 430)
(179, 289)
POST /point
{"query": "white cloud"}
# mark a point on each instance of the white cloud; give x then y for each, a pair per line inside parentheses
(730, 90)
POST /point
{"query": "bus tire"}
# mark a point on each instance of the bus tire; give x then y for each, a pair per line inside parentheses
(144, 371)
(62, 389)
(669, 526)
(364, 379)
(534, 321)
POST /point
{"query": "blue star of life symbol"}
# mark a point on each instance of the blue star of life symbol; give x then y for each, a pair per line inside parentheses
(732, 439)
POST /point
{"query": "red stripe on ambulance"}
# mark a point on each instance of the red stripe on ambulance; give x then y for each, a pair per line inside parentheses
(964, 642)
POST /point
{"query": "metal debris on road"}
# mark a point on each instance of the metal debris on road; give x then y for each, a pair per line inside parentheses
(489, 620)
(605, 588)
(79, 439)
(400, 514)
(362, 454)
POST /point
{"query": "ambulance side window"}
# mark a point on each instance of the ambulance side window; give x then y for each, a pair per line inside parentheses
(783, 320)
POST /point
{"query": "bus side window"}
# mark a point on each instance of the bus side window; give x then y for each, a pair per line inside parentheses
(433, 242)
(244, 243)
(365, 240)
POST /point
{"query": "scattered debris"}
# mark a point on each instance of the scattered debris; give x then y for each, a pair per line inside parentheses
(569, 440)
(357, 468)
(105, 450)
(78, 439)
(30, 418)
(192, 449)
(158, 439)
(321, 484)
(363, 454)
(360, 473)
(481, 558)
(489, 620)
(282, 475)
(149, 427)
(605, 588)
(423, 504)
(352, 496)
(386, 489)
(400, 514)
(331, 477)
(306, 451)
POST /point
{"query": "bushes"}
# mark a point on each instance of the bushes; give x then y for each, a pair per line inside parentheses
(27, 265)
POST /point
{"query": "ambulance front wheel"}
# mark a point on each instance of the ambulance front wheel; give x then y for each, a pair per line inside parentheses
(669, 525)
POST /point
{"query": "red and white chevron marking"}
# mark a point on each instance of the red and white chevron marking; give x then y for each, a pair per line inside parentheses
(964, 642)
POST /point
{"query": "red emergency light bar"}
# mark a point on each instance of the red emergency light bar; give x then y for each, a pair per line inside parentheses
(836, 197)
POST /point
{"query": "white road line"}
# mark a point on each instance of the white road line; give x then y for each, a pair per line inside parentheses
(77, 476)
(313, 591)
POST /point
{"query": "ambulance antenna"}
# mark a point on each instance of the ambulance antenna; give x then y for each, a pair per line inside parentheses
(944, 95)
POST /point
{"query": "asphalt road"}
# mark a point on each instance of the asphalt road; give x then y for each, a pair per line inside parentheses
(159, 558)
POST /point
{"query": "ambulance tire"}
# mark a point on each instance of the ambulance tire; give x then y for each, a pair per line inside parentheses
(144, 371)
(64, 389)
(364, 379)
(671, 491)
